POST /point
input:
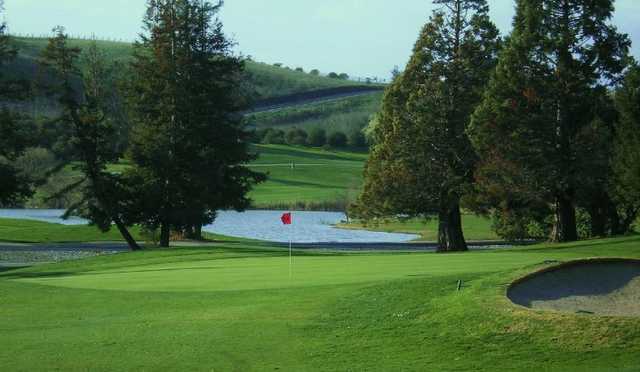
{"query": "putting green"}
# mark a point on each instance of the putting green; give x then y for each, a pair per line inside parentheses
(257, 273)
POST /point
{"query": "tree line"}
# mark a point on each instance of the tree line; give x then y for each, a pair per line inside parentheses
(316, 137)
(538, 129)
(181, 102)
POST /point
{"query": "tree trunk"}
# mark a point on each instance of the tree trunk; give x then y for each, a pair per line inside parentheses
(614, 222)
(450, 235)
(198, 232)
(126, 235)
(565, 226)
(598, 216)
(165, 232)
(194, 232)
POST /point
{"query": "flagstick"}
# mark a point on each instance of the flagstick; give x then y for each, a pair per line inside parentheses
(290, 258)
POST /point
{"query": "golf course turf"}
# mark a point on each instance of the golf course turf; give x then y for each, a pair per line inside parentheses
(233, 306)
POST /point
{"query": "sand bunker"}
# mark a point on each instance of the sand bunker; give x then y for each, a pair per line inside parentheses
(598, 286)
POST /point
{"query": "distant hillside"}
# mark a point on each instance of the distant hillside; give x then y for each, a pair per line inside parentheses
(343, 114)
(267, 81)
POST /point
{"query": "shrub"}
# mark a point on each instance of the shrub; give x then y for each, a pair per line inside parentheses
(337, 139)
(274, 137)
(297, 136)
(333, 75)
(357, 139)
(317, 137)
(314, 72)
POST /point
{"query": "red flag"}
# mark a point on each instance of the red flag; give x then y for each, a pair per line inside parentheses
(286, 218)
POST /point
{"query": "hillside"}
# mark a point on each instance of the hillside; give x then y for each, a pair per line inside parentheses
(266, 80)
(342, 114)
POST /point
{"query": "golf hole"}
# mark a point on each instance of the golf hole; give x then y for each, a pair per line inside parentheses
(608, 287)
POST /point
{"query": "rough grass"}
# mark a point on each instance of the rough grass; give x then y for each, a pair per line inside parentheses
(233, 306)
(475, 228)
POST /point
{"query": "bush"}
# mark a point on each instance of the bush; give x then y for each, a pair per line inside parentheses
(343, 76)
(317, 137)
(299, 69)
(337, 139)
(274, 137)
(314, 72)
(333, 75)
(297, 136)
(357, 139)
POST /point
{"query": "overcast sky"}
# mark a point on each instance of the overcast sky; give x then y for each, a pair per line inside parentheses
(359, 37)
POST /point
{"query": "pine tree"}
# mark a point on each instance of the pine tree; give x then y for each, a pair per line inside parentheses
(423, 162)
(188, 142)
(14, 131)
(538, 102)
(91, 139)
(626, 159)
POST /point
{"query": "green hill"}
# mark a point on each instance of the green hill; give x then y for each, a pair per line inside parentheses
(266, 80)
(343, 114)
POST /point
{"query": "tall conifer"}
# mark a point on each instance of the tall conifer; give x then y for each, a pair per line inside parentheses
(188, 143)
(538, 102)
(423, 162)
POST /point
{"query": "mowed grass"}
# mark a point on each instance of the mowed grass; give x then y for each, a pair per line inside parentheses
(319, 175)
(233, 306)
(475, 228)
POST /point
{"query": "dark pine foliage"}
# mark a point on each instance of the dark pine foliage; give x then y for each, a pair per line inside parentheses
(560, 57)
(188, 145)
(422, 162)
(90, 137)
(15, 133)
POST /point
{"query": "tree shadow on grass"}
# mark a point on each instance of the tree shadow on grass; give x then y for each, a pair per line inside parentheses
(36, 275)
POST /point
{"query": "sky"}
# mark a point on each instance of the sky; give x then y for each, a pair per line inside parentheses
(364, 38)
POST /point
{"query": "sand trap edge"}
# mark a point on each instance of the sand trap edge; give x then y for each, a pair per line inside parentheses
(561, 266)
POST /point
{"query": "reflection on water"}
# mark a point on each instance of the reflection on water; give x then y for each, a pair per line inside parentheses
(307, 227)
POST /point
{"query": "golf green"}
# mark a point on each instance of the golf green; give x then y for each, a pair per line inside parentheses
(257, 273)
(233, 307)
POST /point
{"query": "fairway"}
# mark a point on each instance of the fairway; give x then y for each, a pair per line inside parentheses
(318, 176)
(233, 306)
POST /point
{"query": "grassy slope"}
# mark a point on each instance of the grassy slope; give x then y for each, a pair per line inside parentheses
(267, 80)
(319, 175)
(345, 115)
(234, 307)
(475, 228)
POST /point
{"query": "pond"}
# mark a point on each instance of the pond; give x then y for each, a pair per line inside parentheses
(307, 227)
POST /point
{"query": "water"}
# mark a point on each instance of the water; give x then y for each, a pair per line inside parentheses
(307, 227)
(44, 215)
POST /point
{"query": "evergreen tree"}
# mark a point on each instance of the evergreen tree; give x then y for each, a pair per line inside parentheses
(422, 161)
(91, 139)
(15, 133)
(188, 143)
(626, 164)
(539, 101)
